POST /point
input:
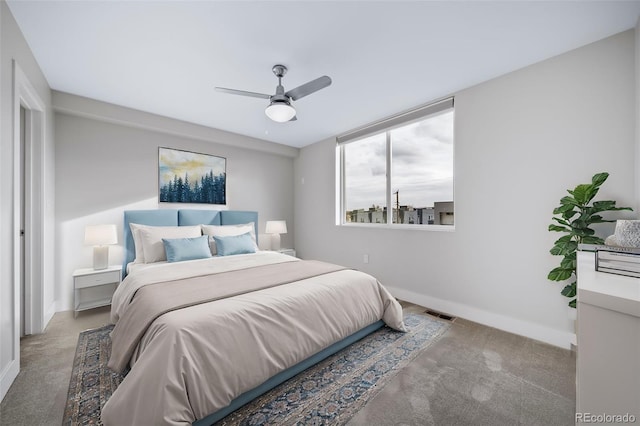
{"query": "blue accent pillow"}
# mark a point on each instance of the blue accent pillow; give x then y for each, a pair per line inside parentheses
(180, 249)
(236, 244)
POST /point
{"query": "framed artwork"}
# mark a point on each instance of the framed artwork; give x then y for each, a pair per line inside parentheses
(191, 177)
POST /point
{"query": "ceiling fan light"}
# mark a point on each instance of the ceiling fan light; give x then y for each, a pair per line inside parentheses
(280, 111)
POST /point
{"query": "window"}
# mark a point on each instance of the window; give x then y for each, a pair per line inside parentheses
(400, 171)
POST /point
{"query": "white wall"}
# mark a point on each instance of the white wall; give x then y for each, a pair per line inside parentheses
(105, 167)
(637, 92)
(13, 47)
(520, 141)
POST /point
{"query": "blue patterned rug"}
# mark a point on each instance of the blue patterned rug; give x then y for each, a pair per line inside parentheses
(330, 392)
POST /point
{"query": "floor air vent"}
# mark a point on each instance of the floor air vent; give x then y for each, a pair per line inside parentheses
(440, 315)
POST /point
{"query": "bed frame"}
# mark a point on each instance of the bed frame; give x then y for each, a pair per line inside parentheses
(186, 217)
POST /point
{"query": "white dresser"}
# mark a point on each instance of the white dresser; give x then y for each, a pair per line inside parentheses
(608, 332)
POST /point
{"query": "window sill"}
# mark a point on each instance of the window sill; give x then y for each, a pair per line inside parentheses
(435, 228)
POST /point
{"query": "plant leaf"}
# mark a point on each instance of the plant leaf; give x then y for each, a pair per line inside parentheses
(603, 206)
(569, 290)
(607, 205)
(563, 239)
(583, 193)
(583, 232)
(569, 201)
(592, 239)
(568, 263)
(560, 274)
(561, 221)
(599, 178)
(596, 218)
(579, 224)
(558, 228)
(563, 209)
(563, 248)
(572, 304)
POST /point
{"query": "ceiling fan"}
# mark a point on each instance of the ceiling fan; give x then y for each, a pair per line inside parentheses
(280, 108)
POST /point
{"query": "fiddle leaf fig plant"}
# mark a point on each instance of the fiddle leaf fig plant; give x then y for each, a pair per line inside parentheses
(574, 217)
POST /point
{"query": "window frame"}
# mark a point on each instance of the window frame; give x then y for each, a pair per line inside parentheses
(386, 126)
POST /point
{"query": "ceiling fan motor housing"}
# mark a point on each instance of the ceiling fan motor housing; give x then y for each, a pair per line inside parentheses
(279, 70)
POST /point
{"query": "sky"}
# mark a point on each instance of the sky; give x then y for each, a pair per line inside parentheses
(175, 162)
(422, 165)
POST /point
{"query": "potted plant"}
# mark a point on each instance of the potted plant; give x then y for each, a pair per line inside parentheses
(574, 218)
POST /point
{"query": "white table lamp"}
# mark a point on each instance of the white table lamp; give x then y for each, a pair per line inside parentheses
(100, 236)
(275, 228)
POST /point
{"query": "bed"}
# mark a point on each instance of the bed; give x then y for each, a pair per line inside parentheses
(203, 337)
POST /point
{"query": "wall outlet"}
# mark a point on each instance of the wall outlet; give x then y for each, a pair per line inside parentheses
(365, 259)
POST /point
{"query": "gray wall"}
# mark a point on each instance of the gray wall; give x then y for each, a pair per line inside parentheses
(13, 47)
(520, 141)
(104, 168)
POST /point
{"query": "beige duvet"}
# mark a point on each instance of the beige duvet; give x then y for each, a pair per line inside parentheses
(194, 361)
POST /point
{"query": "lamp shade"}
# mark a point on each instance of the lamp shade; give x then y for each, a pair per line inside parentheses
(276, 227)
(100, 235)
(280, 111)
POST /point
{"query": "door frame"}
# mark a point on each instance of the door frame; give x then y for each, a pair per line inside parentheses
(25, 95)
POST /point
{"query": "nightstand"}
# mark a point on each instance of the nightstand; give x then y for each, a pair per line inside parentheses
(93, 288)
(289, 252)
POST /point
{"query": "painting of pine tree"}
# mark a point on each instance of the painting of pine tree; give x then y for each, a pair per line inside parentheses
(190, 177)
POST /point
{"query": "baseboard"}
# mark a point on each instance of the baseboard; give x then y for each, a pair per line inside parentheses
(7, 376)
(53, 308)
(512, 325)
(63, 305)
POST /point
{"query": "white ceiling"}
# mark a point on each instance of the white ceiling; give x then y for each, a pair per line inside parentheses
(165, 57)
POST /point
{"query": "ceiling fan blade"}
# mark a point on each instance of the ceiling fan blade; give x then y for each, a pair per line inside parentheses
(295, 118)
(309, 88)
(242, 93)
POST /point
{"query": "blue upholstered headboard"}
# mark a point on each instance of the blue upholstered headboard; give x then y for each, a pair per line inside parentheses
(181, 217)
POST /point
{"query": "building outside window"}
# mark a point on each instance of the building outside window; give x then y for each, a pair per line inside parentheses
(403, 165)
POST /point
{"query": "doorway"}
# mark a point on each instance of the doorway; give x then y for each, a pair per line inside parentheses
(27, 264)
(28, 206)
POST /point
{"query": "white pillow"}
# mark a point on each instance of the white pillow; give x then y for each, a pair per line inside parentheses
(228, 231)
(151, 238)
(137, 242)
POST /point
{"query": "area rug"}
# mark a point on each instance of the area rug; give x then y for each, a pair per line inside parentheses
(330, 392)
